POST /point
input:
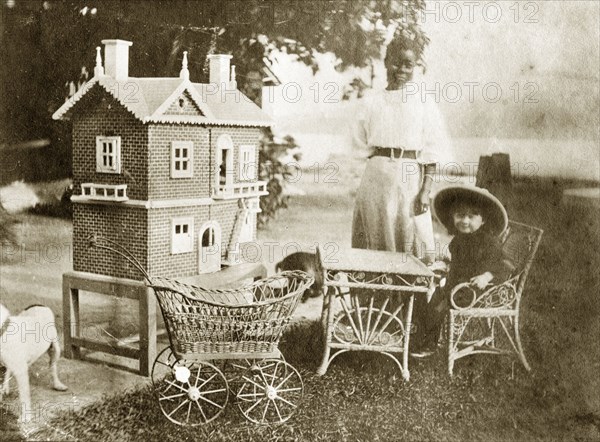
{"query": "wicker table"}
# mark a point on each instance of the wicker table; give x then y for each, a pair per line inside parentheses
(375, 290)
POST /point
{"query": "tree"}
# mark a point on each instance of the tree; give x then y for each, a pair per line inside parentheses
(275, 172)
(45, 44)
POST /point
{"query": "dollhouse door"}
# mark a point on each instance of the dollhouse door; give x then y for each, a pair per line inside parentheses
(225, 172)
(209, 250)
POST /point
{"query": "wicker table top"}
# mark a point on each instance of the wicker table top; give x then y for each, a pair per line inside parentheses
(374, 261)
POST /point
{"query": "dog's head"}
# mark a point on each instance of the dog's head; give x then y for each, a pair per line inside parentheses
(313, 291)
(309, 263)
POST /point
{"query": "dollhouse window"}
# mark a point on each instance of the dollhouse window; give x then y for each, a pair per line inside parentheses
(247, 163)
(208, 238)
(181, 159)
(225, 159)
(182, 235)
(108, 154)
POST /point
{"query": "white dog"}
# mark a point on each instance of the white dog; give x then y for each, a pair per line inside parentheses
(23, 339)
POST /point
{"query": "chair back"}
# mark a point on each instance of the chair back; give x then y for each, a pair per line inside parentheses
(520, 244)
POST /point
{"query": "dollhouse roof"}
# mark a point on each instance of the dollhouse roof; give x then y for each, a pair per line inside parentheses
(148, 99)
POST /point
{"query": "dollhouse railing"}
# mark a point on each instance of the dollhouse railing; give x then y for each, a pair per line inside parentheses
(238, 190)
(104, 192)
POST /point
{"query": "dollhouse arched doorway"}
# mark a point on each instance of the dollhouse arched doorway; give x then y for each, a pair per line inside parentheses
(224, 176)
(209, 247)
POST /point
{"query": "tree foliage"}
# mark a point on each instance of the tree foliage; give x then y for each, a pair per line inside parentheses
(276, 172)
(45, 44)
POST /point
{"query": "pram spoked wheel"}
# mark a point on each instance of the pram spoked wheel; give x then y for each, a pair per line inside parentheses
(189, 392)
(271, 391)
(235, 369)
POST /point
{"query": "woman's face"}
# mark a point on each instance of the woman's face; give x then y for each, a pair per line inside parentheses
(400, 69)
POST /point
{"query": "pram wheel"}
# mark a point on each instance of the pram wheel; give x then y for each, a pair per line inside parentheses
(162, 366)
(189, 393)
(235, 370)
(271, 392)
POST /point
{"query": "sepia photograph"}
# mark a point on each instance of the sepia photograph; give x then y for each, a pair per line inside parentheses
(299, 220)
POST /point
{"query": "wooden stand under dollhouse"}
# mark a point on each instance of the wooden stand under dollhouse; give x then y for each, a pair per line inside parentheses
(77, 335)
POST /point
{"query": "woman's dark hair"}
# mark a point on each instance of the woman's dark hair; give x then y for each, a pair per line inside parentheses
(400, 44)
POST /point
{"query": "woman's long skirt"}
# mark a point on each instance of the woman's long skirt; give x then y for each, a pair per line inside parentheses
(384, 212)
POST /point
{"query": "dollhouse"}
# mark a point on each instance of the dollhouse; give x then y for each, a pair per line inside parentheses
(165, 167)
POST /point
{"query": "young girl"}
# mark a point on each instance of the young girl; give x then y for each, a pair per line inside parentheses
(476, 219)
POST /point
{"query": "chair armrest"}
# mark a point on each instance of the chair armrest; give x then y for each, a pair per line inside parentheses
(501, 296)
(462, 288)
(495, 296)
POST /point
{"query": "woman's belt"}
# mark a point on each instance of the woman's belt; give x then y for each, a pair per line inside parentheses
(394, 152)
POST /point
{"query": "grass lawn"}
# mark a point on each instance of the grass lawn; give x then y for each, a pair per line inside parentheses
(363, 398)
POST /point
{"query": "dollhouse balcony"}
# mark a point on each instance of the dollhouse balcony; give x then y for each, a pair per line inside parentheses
(104, 192)
(240, 190)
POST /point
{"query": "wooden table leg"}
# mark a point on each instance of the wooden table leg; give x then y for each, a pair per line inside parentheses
(408, 328)
(330, 295)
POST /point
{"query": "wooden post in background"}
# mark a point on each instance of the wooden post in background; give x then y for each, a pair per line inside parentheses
(494, 174)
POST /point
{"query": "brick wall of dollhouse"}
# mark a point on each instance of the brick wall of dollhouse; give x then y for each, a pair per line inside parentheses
(102, 115)
(161, 185)
(164, 263)
(147, 234)
(160, 137)
(161, 261)
(146, 151)
(125, 225)
(184, 105)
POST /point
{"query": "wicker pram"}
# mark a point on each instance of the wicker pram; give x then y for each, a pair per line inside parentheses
(219, 324)
(242, 328)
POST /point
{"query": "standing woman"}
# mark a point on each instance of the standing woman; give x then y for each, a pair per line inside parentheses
(406, 136)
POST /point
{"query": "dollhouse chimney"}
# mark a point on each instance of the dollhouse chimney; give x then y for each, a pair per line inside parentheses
(116, 58)
(219, 69)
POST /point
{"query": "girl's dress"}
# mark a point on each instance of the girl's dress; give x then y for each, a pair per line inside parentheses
(384, 209)
(474, 254)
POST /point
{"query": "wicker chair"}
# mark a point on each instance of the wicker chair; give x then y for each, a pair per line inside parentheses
(489, 322)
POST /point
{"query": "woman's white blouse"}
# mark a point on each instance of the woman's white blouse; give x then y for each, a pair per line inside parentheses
(400, 120)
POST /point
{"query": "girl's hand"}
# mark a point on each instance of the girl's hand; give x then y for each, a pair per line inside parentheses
(481, 281)
(438, 266)
(422, 202)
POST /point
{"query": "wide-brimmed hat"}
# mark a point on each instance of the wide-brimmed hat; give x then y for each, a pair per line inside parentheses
(496, 219)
